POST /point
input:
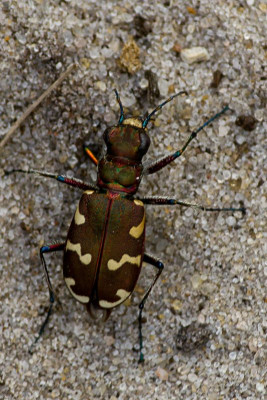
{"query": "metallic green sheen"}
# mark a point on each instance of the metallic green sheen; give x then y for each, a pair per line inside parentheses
(124, 141)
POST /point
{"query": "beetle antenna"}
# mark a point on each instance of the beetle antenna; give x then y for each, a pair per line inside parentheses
(119, 101)
(145, 122)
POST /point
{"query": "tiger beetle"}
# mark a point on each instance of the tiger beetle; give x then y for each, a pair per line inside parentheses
(104, 249)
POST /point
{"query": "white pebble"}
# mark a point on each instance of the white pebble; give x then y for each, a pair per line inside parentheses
(231, 221)
(14, 210)
(260, 387)
(232, 355)
(226, 174)
(192, 377)
(223, 130)
(242, 326)
(195, 54)
(196, 281)
(240, 139)
(101, 86)
(163, 85)
(143, 83)
(128, 100)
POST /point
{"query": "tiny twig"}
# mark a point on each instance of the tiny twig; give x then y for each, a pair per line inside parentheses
(32, 107)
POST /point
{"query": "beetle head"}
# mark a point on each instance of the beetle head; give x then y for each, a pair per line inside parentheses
(127, 142)
(121, 168)
(129, 138)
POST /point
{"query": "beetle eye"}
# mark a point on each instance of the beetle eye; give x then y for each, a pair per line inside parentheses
(144, 143)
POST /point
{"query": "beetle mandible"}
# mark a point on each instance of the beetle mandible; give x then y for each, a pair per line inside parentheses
(104, 249)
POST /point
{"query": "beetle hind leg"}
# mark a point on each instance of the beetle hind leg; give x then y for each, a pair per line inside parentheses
(97, 313)
(47, 249)
(159, 265)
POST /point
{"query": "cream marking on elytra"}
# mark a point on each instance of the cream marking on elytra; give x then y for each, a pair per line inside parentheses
(139, 203)
(113, 265)
(85, 259)
(136, 231)
(82, 299)
(79, 218)
(123, 294)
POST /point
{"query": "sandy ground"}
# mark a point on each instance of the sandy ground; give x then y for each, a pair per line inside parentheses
(205, 321)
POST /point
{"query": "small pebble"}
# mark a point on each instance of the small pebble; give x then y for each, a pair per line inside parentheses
(143, 83)
(14, 210)
(232, 355)
(192, 377)
(162, 374)
(260, 387)
(217, 77)
(231, 221)
(263, 7)
(59, 65)
(242, 326)
(196, 281)
(177, 305)
(130, 57)
(191, 10)
(195, 54)
(177, 48)
(253, 344)
(247, 122)
(240, 139)
(101, 86)
(55, 394)
(223, 130)
(109, 340)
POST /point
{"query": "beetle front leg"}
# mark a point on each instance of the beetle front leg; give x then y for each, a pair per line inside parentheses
(91, 155)
(61, 178)
(156, 166)
(159, 265)
(168, 201)
(47, 249)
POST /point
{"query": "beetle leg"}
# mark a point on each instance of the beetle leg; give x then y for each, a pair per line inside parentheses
(156, 166)
(91, 155)
(47, 249)
(61, 178)
(159, 265)
(168, 201)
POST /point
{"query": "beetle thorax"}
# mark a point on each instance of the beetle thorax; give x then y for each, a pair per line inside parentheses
(121, 167)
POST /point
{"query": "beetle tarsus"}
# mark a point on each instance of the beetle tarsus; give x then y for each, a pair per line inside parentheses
(168, 201)
(41, 330)
(43, 250)
(155, 262)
